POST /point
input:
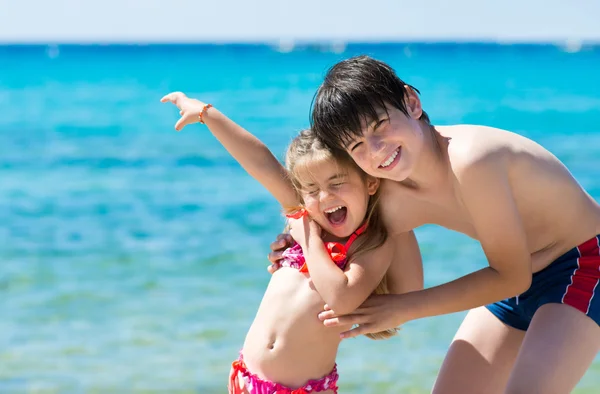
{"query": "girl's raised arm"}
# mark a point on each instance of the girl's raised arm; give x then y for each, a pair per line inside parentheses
(249, 151)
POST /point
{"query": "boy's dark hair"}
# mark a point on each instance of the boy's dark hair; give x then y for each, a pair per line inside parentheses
(353, 91)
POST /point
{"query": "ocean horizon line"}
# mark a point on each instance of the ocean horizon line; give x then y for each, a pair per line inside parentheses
(305, 42)
(286, 46)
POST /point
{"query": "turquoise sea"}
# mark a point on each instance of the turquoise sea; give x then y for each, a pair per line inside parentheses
(133, 258)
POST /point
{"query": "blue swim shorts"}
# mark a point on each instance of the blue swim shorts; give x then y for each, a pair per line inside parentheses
(571, 279)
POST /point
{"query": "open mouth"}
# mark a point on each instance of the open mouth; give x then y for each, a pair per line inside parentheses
(336, 215)
(391, 160)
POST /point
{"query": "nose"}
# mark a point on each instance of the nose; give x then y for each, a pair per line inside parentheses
(324, 195)
(376, 146)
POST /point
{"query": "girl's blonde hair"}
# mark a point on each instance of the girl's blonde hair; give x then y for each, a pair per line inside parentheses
(306, 148)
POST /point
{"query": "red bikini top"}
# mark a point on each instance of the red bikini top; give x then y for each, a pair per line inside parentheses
(337, 251)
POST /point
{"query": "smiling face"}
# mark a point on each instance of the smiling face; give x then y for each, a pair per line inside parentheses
(390, 145)
(363, 107)
(335, 195)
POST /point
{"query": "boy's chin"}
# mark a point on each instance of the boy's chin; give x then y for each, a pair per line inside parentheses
(397, 174)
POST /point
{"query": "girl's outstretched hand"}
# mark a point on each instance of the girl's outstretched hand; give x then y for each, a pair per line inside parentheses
(189, 108)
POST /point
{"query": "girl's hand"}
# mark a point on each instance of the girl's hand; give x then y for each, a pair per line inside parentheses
(189, 108)
(303, 230)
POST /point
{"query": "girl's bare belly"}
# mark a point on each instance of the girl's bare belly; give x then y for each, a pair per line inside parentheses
(287, 343)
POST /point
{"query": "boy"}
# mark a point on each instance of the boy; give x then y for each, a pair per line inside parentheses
(533, 325)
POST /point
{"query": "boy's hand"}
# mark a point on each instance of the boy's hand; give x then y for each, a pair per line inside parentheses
(282, 242)
(377, 313)
(189, 108)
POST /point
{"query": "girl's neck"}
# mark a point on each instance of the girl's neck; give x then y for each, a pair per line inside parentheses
(327, 237)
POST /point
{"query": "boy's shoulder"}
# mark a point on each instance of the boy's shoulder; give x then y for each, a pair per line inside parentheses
(478, 141)
(475, 145)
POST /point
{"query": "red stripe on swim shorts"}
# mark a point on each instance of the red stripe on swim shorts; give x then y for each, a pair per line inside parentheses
(585, 277)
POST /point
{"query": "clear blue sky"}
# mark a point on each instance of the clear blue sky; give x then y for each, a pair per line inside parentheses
(272, 20)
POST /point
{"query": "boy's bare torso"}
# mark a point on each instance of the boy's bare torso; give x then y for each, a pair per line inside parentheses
(556, 213)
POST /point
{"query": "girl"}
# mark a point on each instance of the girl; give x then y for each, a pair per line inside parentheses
(287, 350)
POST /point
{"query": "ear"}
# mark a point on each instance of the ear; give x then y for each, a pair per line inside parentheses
(413, 103)
(372, 184)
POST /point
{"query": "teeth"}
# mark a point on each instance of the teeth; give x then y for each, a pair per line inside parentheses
(332, 210)
(390, 159)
